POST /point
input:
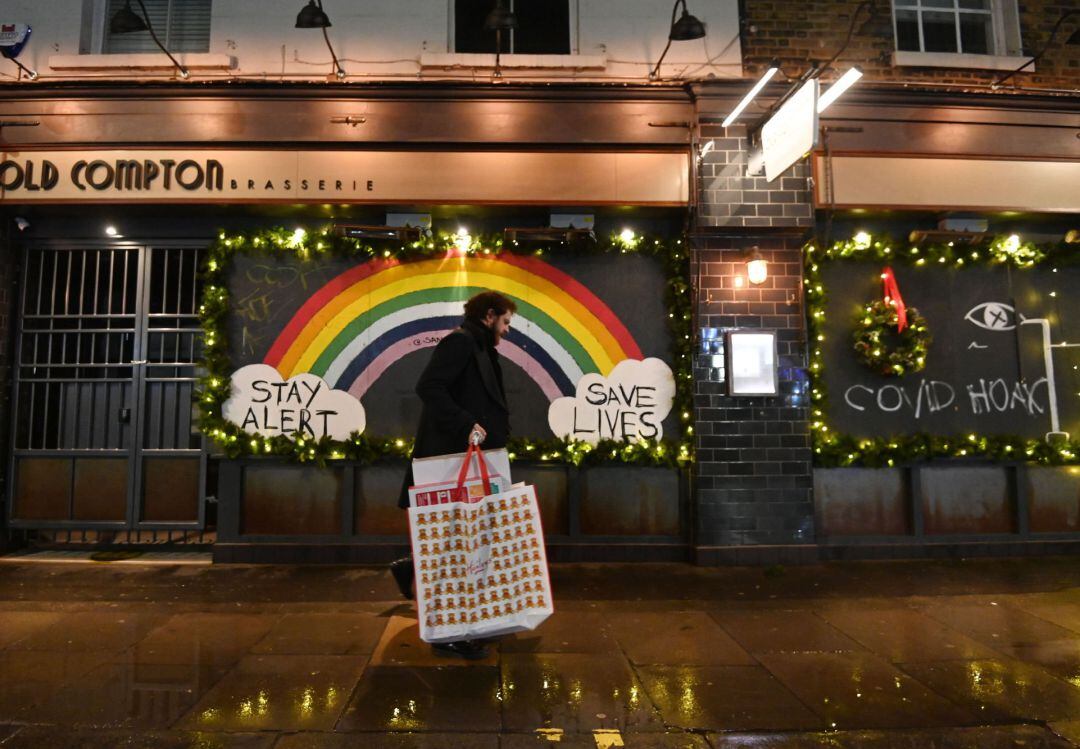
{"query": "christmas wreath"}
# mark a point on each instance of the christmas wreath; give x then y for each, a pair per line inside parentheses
(885, 349)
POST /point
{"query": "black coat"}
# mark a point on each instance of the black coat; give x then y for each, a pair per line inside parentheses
(462, 385)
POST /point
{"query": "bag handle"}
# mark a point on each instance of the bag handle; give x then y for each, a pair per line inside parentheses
(474, 450)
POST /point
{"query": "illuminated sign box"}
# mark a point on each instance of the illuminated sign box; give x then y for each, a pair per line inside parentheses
(751, 363)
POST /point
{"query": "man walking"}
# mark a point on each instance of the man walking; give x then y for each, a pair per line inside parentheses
(463, 399)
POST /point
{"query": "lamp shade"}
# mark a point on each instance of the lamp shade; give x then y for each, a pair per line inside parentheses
(126, 21)
(687, 28)
(1074, 38)
(757, 269)
(500, 19)
(311, 16)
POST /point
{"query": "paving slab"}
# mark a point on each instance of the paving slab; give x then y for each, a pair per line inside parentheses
(860, 690)
(390, 741)
(984, 737)
(677, 638)
(725, 698)
(905, 635)
(276, 693)
(575, 693)
(323, 634)
(779, 631)
(996, 624)
(427, 699)
(1003, 689)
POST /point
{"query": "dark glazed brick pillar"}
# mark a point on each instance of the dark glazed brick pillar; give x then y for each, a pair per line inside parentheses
(753, 473)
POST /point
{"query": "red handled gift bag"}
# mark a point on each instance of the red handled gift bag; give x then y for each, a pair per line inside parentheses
(481, 568)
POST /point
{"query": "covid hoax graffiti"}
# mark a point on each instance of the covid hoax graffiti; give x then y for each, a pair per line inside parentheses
(929, 397)
(995, 367)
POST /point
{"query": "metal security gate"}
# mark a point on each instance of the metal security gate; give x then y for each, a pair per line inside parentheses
(104, 435)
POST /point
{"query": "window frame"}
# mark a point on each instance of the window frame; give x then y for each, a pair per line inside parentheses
(573, 32)
(996, 32)
(94, 33)
(1005, 47)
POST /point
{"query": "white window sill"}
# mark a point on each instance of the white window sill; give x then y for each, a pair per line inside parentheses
(142, 61)
(953, 60)
(548, 62)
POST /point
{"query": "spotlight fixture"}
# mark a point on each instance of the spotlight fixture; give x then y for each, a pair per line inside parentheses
(686, 29)
(127, 21)
(312, 16)
(774, 68)
(500, 19)
(1074, 38)
(842, 84)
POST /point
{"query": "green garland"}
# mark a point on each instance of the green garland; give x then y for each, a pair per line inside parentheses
(833, 449)
(878, 320)
(213, 388)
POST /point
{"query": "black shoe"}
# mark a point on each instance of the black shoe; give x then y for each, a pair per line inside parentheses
(470, 650)
(402, 570)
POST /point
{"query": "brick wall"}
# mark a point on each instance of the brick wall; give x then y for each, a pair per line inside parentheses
(796, 31)
(730, 198)
(753, 476)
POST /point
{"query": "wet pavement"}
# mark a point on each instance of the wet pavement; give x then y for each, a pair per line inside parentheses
(951, 655)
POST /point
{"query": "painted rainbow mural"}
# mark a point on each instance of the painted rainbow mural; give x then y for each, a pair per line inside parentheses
(352, 329)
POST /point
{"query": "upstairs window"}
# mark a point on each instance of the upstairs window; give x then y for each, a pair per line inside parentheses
(543, 27)
(951, 26)
(181, 25)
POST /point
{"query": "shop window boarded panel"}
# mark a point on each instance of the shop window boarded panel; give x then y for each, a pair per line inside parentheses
(1053, 496)
(291, 501)
(100, 490)
(861, 501)
(630, 502)
(966, 500)
(170, 490)
(377, 491)
(552, 495)
(42, 489)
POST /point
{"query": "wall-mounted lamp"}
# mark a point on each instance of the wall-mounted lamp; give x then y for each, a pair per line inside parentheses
(500, 19)
(1073, 39)
(312, 16)
(686, 29)
(127, 21)
(757, 268)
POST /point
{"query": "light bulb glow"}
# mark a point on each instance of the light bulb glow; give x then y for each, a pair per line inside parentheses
(757, 270)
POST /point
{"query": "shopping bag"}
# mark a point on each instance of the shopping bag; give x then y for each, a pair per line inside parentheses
(481, 567)
(445, 468)
(461, 488)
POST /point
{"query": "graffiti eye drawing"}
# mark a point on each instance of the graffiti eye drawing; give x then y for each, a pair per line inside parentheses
(993, 316)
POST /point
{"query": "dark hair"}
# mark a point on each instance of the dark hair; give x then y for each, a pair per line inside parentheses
(476, 309)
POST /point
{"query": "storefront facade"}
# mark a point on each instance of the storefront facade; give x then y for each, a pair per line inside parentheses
(110, 438)
(121, 181)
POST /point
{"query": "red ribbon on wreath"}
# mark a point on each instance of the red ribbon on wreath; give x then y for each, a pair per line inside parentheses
(892, 296)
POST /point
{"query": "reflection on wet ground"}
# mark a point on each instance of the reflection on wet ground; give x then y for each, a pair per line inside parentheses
(973, 655)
